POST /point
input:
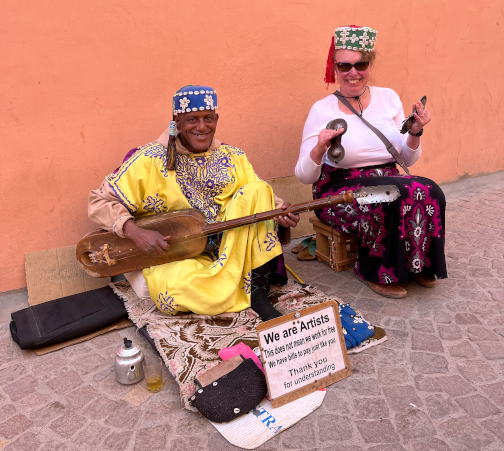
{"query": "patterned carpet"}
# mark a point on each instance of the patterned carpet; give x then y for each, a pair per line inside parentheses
(189, 344)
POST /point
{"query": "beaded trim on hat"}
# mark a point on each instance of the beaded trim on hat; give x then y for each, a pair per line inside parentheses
(209, 100)
(355, 38)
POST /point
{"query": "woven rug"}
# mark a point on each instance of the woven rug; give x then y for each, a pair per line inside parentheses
(189, 343)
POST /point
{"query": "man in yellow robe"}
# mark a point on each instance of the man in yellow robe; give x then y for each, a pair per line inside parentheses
(216, 179)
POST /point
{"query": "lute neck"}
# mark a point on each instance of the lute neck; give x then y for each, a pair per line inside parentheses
(218, 227)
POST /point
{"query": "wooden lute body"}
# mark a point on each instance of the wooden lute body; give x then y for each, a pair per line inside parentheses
(104, 254)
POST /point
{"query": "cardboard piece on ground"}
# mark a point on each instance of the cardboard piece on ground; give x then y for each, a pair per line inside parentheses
(55, 273)
(303, 352)
(265, 421)
(378, 337)
(290, 189)
(122, 324)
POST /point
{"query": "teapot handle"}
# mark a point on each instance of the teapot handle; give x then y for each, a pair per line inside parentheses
(131, 375)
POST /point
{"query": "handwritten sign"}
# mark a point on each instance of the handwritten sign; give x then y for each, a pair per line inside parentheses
(303, 352)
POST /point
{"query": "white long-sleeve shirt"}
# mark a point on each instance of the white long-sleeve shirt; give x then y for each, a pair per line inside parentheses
(362, 146)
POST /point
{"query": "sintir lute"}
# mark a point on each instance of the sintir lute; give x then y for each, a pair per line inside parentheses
(104, 254)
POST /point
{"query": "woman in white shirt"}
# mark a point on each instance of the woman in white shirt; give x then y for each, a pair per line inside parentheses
(396, 241)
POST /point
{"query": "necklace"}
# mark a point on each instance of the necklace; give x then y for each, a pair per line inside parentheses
(356, 98)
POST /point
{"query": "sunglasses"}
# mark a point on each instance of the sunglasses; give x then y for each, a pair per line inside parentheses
(347, 67)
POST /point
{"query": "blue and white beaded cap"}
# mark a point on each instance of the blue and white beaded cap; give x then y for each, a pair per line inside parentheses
(194, 98)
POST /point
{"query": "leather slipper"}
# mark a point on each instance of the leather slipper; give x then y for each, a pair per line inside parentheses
(301, 245)
(298, 248)
(308, 253)
(305, 254)
(424, 279)
(389, 290)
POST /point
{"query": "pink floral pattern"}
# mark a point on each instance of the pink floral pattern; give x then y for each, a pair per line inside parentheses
(394, 239)
(421, 222)
(387, 275)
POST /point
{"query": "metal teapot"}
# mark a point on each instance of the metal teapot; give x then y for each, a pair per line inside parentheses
(128, 363)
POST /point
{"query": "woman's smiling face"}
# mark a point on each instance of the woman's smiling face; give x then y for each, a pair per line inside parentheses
(353, 82)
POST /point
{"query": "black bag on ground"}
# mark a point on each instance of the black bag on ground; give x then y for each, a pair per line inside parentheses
(66, 318)
(231, 395)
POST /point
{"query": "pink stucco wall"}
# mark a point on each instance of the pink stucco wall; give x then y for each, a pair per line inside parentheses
(83, 82)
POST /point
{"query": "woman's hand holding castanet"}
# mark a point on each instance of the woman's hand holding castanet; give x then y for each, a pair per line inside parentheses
(149, 242)
(324, 141)
(422, 117)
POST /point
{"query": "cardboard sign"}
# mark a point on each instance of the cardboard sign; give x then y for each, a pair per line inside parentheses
(303, 352)
(265, 421)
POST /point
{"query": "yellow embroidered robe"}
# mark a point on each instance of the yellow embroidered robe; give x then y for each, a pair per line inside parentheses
(223, 185)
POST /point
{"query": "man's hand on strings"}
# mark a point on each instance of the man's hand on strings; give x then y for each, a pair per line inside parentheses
(149, 242)
(288, 220)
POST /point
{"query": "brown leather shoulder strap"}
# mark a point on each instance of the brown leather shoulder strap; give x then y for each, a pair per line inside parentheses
(389, 146)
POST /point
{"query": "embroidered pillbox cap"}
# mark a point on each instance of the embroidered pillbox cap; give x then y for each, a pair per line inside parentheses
(352, 37)
(194, 98)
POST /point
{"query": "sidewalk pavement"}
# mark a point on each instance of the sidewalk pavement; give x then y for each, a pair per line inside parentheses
(436, 384)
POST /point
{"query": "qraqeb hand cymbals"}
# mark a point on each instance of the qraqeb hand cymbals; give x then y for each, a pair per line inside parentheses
(408, 122)
(336, 151)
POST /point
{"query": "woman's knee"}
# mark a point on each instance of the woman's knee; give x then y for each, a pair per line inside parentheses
(435, 190)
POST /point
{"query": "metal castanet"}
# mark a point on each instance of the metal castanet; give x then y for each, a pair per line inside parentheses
(336, 151)
(104, 254)
(388, 145)
(408, 122)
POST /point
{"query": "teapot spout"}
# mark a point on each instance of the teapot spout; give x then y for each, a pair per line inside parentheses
(132, 373)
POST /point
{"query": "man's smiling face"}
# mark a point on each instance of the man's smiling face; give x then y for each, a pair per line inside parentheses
(197, 129)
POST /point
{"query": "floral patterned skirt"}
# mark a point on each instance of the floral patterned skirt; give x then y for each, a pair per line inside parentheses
(396, 239)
